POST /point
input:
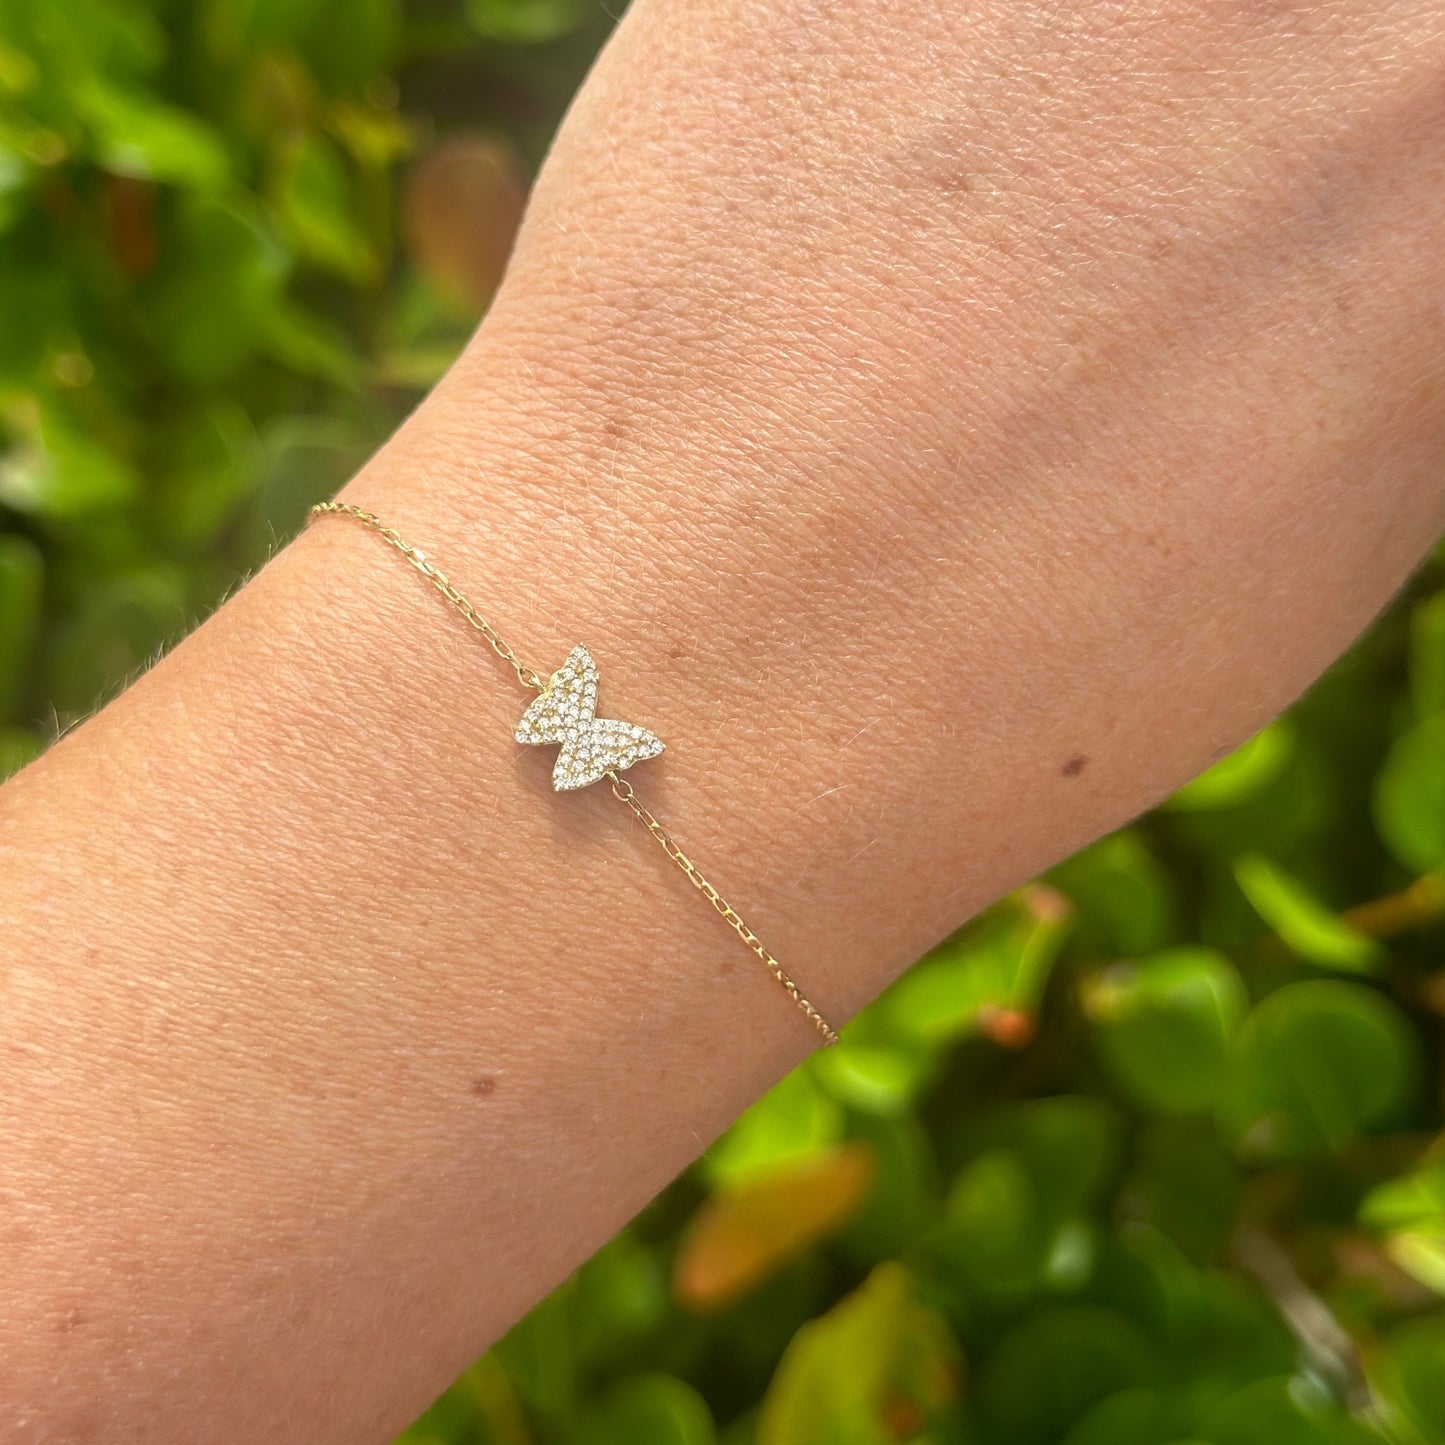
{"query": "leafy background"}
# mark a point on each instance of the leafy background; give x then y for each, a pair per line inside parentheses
(1152, 1152)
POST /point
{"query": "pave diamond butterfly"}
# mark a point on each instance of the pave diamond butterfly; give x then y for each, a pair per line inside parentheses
(591, 746)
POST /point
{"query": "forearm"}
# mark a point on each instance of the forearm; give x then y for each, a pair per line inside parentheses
(943, 473)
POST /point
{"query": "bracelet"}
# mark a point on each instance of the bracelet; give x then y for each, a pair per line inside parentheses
(591, 748)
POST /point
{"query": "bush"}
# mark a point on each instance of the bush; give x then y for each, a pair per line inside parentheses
(1150, 1152)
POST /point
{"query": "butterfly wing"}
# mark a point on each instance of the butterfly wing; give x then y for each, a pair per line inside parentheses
(564, 709)
(606, 745)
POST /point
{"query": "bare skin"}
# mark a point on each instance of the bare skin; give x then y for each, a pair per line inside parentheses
(949, 435)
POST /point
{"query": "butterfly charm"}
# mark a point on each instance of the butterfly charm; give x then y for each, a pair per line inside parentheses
(592, 746)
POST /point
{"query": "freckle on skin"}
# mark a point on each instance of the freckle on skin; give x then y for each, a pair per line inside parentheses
(482, 1085)
(1075, 766)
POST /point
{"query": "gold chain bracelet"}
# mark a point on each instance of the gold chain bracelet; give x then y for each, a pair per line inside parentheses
(590, 748)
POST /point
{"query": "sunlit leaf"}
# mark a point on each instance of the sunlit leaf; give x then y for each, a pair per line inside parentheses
(794, 1119)
(1239, 776)
(57, 469)
(872, 1371)
(137, 135)
(879, 1078)
(991, 979)
(1302, 921)
(1409, 1212)
(744, 1232)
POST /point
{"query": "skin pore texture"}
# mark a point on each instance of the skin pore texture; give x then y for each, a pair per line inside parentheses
(950, 428)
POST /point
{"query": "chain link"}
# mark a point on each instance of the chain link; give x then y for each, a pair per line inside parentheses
(622, 790)
(439, 580)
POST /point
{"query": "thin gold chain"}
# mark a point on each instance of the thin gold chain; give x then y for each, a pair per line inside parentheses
(439, 580)
(622, 790)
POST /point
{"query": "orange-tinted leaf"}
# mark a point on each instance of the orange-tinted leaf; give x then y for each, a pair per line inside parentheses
(462, 206)
(742, 1235)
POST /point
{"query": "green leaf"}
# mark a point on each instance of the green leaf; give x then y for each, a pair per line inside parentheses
(649, 1410)
(120, 624)
(1427, 656)
(354, 39)
(744, 1233)
(1184, 1185)
(878, 1078)
(997, 1230)
(1132, 1417)
(989, 980)
(1165, 1026)
(307, 458)
(845, 1374)
(1304, 923)
(1314, 1065)
(16, 177)
(17, 747)
(1238, 777)
(1282, 1412)
(21, 580)
(1410, 797)
(1411, 1199)
(1410, 1377)
(58, 470)
(526, 22)
(1018, 1213)
(903, 1198)
(1053, 1367)
(138, 135)
(1409, 1213)
(209, 466)
(539, 1355)
(38, 303)
(794, 1119)
(481, 1405)
(311, 345)
(1125, 900)
(218, 293)
(1071, 1144)
(317, 213)
(621, 1294)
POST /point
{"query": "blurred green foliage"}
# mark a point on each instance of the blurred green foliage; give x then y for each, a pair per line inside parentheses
(1149, 1154)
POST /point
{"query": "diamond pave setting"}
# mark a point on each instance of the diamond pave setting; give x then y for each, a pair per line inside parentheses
(592, 746)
